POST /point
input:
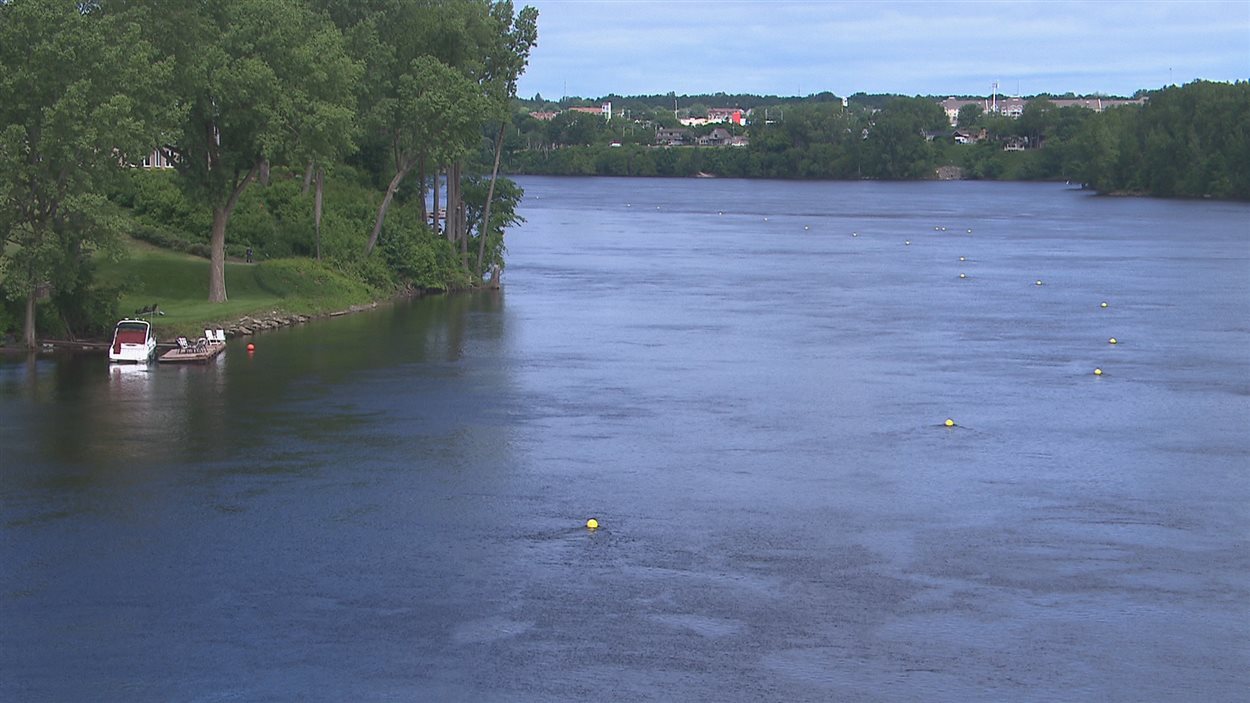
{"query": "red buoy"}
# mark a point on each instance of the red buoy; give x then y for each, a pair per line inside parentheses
(251, 347)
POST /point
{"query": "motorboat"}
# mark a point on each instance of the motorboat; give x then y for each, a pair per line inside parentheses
(133, 342)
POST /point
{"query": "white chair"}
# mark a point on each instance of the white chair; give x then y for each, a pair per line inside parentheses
(221, 336)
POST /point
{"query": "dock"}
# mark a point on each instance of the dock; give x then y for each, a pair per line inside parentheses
(193, 354)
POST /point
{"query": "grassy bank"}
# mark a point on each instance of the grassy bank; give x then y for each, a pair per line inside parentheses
(178, 283)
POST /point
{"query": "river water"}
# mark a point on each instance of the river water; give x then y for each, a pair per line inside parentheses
(747, 384)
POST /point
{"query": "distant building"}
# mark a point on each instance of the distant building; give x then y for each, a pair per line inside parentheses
(1096, 104)
(159, 158)
(732, 115)
(718, 137)
(672, 137)
(968, 136)
(604, 110)
(1014, 107)
(952, 106)
(1016, 144)
(544, 116)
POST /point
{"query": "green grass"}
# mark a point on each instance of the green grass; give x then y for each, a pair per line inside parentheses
(178, 283)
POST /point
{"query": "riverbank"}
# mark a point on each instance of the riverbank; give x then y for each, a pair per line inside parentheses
(262, 296)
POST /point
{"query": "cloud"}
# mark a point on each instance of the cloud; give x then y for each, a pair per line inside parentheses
(593, 48)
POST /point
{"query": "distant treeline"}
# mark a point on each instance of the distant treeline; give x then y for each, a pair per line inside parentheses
(1188, 141)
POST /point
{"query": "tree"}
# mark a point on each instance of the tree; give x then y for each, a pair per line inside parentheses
(67, 124)
(433, 114)
(263, 82)
(896, 145)
(1038, 121)
(968, 115)
(504, 65)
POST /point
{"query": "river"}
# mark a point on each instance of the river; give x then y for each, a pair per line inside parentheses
(746, 383)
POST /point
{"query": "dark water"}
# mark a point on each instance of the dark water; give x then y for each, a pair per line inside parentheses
(389, 506)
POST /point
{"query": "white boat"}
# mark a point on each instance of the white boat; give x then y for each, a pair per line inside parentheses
(133, 341)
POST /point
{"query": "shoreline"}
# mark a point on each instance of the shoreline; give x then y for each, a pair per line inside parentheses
(245, 326)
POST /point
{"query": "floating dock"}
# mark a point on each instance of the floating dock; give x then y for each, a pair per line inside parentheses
(192, 355)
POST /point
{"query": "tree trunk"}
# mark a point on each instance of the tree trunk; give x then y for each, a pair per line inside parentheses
(435, 199)
(483, 230)
(321, 185)
(386, 205)
(217, 258)
(308, 176)
(217, 243)
(425, 213)
(28, 327)
(452, 199)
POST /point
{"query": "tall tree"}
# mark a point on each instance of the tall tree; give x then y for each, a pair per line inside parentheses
(435, 112)
(504, 65)
(263, 81)
(79, 97)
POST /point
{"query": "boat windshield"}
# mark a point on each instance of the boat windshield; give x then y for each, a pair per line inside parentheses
(131, 332)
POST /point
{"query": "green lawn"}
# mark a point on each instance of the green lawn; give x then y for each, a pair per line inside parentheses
(178, 283)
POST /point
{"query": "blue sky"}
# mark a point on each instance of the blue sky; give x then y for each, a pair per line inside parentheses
(591, 48)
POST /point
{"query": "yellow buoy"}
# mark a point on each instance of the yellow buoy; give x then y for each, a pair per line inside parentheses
(950, 422)
(1112, 341)
(592, 524)
(963, 275)
(854, 234)
(1097, 372)
(962, 259)
(1103, 304)
(907, 241)
(1038, 283)
(969, 231)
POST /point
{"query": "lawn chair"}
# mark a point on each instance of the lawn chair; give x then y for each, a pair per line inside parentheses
(184, 347)
(221, 336)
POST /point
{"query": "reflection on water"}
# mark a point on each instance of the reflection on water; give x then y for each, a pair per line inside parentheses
(391, 505)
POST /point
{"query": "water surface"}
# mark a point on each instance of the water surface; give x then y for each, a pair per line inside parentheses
(746, 383)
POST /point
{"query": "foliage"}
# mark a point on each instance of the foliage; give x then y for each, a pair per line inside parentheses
(1189, 141)
(66, 125)
(263, 82)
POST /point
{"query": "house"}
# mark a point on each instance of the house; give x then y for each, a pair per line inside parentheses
(604, 110)
(1096, 104)
(952, 105)
(1016, 144)
(1008, 107)
(672, 136)
(732, 115)
(159, 158)
(718, 137)
(968, 136)
(544, 116)
(1014, 107)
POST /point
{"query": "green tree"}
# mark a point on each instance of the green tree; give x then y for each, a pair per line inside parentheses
(263, 82)
(896, 144)
(78, 99)
(968, 115)
(504, 65)
(433, 113)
